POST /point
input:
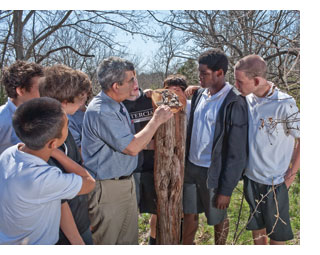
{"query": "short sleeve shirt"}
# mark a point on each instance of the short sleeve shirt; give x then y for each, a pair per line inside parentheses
(106, 133)
(30, 198)
(8, 136)
(274, 123)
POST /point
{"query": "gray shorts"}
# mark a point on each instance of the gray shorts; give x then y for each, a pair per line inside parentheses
(267, 209)
(197, 198)
(145, 191)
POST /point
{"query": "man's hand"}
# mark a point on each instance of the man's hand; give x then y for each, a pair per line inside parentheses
(162, 114)
(222, 202)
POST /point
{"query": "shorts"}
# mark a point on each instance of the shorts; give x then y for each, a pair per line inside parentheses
(145, 191)
(197, 198)
(265, 213)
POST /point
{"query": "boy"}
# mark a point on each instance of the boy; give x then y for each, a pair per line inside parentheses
(215, 148)
(178, 84)
(21, 82)
(274, 159)
(141, 110)
(30, 189)
(70, 87)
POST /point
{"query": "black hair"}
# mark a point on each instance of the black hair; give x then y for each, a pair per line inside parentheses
(176, 80)
(37, 121)
(215, 59)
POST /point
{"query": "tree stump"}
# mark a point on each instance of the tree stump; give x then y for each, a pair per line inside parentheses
(168, 176)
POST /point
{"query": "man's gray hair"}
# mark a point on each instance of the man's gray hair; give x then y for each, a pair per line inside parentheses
(112, 70)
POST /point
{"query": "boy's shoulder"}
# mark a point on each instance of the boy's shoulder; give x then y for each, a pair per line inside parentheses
(282, 96)
(14, 158)
(6, 111)
(284, 102)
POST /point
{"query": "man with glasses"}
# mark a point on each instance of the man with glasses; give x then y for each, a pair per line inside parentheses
(110, 150)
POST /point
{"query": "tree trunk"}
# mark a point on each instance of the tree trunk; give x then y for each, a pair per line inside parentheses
(18, 28)
(168, 174)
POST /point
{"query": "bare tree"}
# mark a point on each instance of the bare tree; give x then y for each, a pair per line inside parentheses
(33, 35)
(274, 35)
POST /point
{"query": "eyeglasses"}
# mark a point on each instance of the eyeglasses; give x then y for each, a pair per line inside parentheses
(132, 81)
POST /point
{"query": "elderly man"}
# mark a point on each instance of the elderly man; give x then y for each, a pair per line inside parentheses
(110, 148)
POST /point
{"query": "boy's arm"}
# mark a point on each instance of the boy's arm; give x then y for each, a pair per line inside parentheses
(68, 226)
(294, 165)
(88, 183)
(191, 89)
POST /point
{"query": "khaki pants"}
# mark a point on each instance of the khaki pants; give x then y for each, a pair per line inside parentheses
(113, 212)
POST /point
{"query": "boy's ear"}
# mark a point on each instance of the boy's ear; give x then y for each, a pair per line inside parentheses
(219, 72)
(52, 144)
(20, 91)
(256, 81)
(64, 103)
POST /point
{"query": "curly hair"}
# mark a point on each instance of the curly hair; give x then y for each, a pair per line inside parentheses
(20, 74)
(64, 83)
(175, 80)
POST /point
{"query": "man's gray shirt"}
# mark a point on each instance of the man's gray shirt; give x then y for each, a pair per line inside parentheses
(106, 133)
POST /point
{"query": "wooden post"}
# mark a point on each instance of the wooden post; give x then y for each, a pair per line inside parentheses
(168, 174)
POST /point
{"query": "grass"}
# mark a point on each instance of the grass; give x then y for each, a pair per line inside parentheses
(205, 233)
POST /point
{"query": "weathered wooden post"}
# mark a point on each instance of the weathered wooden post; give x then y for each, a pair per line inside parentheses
(168, 175)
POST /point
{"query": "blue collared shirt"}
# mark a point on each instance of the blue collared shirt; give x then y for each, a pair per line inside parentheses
(106, 133)
(30, 195)
(75, 126)
(8, 136)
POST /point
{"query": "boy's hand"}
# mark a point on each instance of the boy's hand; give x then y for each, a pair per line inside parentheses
(222, 202)
(289, 178)
(190, 90)
(148, 92)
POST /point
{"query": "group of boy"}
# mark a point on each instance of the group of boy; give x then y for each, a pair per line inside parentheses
(232, 133)
(37, 194)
